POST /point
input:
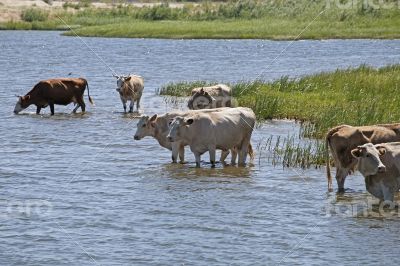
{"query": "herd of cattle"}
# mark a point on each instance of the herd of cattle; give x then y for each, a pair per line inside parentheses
(213, 123)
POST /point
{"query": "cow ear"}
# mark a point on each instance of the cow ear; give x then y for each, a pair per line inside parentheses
(189, 121)
(381, 151)
(356, 152)
(153, 118)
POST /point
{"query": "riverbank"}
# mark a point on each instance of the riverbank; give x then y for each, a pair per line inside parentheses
(278, 20)
(359, 96)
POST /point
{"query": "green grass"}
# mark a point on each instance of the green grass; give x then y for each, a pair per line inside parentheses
(235, 19)
(290, 152)
(274, 28)
(34, 14)
(360, 96)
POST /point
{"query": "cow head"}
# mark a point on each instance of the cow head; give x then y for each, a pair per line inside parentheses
(369, 161)
(177, 126)
(201, 100)
(121, 81)
(145, 127)
(23, 103)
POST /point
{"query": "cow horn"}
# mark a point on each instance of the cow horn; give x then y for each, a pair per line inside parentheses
(115, 76)
(16, 95)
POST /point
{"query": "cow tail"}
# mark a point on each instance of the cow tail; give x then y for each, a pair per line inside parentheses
(328, 165)
(250, 152)
(90, 98)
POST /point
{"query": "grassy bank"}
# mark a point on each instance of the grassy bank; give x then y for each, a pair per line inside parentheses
(274, 29)
(360, 96)
(232, 19)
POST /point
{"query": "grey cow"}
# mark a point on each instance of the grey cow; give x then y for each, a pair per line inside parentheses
(130, 88)
(380, 165)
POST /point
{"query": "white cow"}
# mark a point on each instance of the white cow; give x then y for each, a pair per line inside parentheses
(157, 127)
(210, 97)
(380, 165)
(130, 88)
(208, 131)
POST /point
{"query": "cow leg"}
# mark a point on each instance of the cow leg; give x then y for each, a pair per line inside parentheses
(182, 153)
(388, 194)
(224, 154)
(38, 108)
(175, 148)
(123, 103)
(243, 152)
(341, 174)
(131, 106)
(82, 104)
(212, 151)
(137, 105)
(233, 156)
(197, 156)
(51, 108)
(76, 108)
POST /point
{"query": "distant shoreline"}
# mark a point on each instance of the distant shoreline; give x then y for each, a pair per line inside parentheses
(203, 20)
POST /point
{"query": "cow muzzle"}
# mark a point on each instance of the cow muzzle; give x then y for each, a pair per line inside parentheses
(381, 169)
(18, 108)
(136, 137)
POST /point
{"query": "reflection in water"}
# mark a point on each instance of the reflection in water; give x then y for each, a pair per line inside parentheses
(189, 171)
(56, 116)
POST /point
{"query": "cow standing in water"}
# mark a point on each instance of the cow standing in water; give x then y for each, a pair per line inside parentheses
(130, 88)
(157, 127)
(216, 96)
(208, 131)
(380, 165)
(341, 140)
(62, 91)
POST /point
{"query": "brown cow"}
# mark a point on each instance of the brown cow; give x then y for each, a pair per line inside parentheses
(343, 139)
(62, 91)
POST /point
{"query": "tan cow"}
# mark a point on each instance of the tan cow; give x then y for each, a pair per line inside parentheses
(157, 127)
(62, 91)
(130, 88)
(380, 165)
(342, 139)
(210, 97)
(228, 129)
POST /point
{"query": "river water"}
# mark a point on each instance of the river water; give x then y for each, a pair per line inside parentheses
(78, 190)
